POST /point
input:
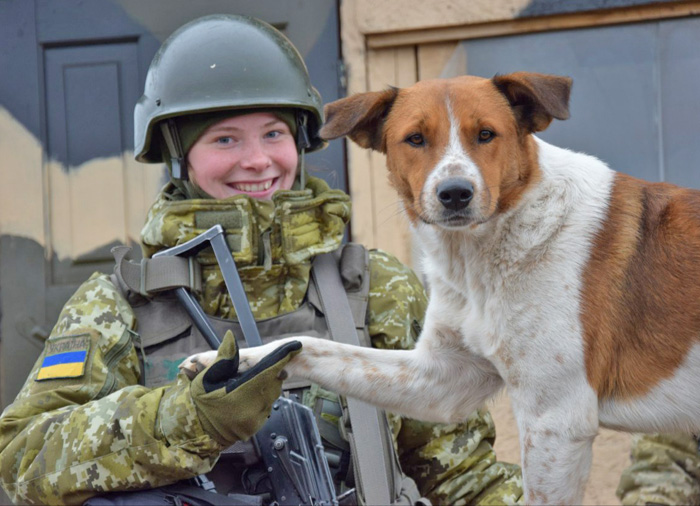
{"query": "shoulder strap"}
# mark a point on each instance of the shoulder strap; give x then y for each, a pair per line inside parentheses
(375, 466)
(153, 275)
(354, 272)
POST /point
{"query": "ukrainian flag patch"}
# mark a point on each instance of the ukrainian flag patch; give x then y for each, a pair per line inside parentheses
(64, 357)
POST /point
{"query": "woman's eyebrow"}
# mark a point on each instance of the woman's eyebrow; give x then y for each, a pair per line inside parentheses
(226, 128)
(274, 122)
(218, 129)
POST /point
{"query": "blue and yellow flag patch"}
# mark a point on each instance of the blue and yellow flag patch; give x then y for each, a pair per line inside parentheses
(64, 357)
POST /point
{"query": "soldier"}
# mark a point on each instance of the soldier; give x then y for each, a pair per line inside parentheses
(229, 108)
(665, 469)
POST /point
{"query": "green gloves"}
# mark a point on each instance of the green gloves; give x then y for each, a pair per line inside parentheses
(232, 406)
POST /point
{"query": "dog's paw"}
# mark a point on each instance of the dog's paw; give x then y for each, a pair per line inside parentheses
(249, 357)
(195, 364)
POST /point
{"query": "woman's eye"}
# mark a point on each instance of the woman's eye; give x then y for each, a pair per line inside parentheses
(486, 135)
(224, 140)
(415, 140)
(273, 134)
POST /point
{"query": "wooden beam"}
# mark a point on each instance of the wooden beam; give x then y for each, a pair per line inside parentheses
(359, 159)
(433, 57)
(389, 67)
(635, 14)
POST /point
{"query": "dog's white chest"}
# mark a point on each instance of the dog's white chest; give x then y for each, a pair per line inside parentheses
(513, 285)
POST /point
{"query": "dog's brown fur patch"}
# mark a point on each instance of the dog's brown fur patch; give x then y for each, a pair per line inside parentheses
(640, 300)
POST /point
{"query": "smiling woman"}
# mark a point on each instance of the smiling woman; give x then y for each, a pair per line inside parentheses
(253, 154)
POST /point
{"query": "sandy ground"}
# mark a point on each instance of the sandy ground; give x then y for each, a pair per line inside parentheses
(610, 454)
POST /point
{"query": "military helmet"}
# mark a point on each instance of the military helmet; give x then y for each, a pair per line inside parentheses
(223, 62)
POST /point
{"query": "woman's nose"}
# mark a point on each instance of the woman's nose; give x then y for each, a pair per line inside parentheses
(255, 157)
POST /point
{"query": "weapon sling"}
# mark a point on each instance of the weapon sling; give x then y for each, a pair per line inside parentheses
(366, 419)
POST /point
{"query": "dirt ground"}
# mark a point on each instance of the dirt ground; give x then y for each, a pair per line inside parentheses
(610, 454)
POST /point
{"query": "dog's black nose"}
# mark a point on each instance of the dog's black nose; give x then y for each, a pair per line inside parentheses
(455, 193)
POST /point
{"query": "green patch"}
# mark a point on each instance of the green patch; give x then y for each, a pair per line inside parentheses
(172, 367)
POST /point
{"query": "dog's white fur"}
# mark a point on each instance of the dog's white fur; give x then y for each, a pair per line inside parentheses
(505, 310)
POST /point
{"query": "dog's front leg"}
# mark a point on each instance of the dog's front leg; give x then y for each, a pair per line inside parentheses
(440, 380)
(433, 382)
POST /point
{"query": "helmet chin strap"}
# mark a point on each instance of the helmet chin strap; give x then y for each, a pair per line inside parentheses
(302, 171)
(303, 143)
(178, 168)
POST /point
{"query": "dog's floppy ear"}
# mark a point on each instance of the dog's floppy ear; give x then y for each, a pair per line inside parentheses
(535, 98)
(360, 117)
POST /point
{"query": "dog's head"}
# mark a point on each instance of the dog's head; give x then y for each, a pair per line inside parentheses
(458, 150)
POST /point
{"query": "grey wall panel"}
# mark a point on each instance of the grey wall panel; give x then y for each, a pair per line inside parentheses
(613, 104)
(90, 92)
(70, 21)
(679, 57)
(93, 116)
(18, 59)
(322, 60)
(22, 311)
(549, 7)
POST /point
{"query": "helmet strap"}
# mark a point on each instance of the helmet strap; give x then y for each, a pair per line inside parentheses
(178, 168)
(303, 143)
(302, 170)
(303, 140)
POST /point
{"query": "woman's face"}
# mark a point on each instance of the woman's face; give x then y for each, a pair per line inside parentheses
(254, 154)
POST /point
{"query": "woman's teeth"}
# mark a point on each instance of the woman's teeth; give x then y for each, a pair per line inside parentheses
(253, 187)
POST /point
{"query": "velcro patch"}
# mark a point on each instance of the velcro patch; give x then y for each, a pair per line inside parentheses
(64, 357)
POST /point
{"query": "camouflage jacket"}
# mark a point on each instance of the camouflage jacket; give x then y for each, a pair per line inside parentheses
(665, 469)
(72, 433)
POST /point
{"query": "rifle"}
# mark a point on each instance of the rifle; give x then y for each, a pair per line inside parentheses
(289, 442)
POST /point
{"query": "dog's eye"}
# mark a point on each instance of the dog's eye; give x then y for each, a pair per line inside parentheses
(486, 135)
(415, 140)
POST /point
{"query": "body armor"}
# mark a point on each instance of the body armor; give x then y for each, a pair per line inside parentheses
(167, 336)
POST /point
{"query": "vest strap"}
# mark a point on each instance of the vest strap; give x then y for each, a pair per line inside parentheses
(374, 466)
(153, 275)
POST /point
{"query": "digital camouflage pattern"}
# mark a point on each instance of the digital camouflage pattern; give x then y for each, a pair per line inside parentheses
(274, 265)
(62, 441)
(665, 469)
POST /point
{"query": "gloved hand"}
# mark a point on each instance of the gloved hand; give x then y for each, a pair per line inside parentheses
(232, 406)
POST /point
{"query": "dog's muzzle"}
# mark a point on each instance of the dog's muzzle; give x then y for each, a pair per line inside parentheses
(455, 193)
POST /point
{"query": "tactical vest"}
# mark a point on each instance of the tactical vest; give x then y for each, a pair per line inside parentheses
(166, 336)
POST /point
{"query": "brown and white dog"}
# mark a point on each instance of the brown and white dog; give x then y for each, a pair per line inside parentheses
(576, 287)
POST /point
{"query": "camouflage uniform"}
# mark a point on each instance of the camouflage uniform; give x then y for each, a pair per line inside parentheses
(665, 470)
(64, 440)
